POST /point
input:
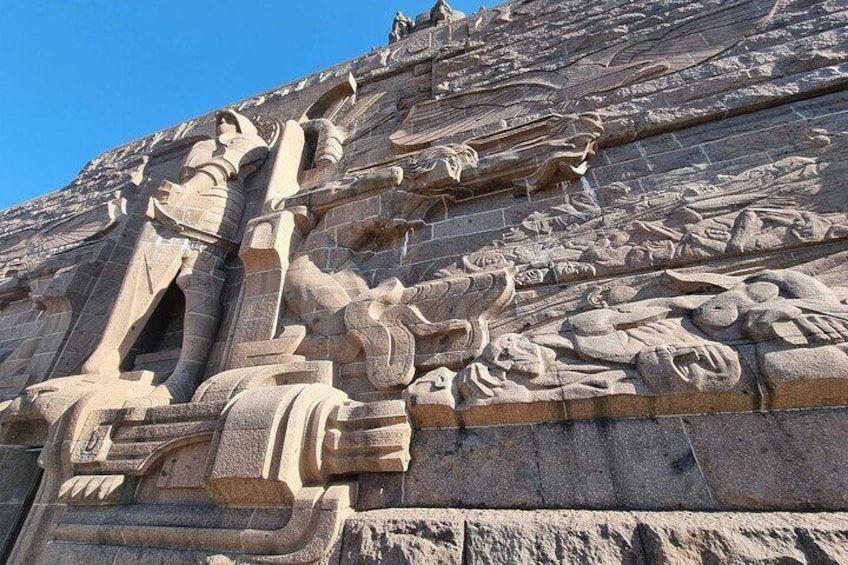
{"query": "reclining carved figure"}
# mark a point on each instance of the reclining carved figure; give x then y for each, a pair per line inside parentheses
(691, 341)
(680, 344)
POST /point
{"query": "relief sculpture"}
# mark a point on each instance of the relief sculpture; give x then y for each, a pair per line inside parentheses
(192, 226)
(628, 61)
(313, 432)
(612, 230)
(540, 224)
(710, 336)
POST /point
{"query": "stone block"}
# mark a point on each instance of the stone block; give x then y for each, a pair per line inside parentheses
(19, 473)
(472, 223)
(155, 556)
(496, 464)
(11, 517)
(619, 464)
(793, 460)
(379, 490)
(508, 537)
(432, 537)
(682, 538)
(74, 554)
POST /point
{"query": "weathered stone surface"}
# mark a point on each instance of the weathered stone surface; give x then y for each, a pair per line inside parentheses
(497, 465)
(428, 537)
(742, 538)
(613, 538)
(19, 475)
(619, 464)
(551, 537)
(594, 253)
(773, 461)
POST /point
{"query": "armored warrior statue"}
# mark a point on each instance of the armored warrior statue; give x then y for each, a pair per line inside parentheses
(401, 27)
(441, 12)
(191, 226)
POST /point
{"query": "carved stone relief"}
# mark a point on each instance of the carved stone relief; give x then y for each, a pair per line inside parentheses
(628, 61)
(712, 334)
(558, 275)
(612, 229)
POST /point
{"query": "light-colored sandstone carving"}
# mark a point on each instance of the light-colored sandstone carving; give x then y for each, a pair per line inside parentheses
(438, 169)
(389, 324)
(312, 433)
(388, 321)
(626, 63)
(744, 213)
(192, 225)
(513, 369)
(93, 489)
(628, 212)
(441, 12)
(329, 141)
(690, 343)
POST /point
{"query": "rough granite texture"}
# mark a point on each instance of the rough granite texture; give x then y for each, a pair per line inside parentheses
(556, 281)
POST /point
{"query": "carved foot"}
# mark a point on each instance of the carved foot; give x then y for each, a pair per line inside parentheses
(160, 396)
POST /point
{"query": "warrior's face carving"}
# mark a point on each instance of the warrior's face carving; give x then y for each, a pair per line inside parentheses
(725, 309)
(227, 124)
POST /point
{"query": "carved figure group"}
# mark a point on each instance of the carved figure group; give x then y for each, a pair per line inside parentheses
(401, 27)
(439, 14)
(784, 323)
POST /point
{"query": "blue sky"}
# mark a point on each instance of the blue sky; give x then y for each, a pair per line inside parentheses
(78, 77)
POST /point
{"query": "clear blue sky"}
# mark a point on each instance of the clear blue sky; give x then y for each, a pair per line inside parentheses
(78, 77)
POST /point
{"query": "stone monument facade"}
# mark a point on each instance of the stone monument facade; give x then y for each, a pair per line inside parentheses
(557, 281)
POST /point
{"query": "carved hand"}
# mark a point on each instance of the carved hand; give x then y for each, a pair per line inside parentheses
(819, 328)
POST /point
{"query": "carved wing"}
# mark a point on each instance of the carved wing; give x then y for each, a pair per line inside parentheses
(702, 37)
(683, 45)
(67, 233)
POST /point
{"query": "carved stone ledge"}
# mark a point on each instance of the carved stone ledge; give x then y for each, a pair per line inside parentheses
(316, 521)
(274, 436)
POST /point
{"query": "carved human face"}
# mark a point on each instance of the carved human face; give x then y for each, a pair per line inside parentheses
(515, 353)
(707, 367)
(807, 228)
(227, 124)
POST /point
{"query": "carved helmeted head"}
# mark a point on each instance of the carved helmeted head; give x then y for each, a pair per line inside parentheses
(514, 353)
(230, 121)
(736, 296)
(441, 12)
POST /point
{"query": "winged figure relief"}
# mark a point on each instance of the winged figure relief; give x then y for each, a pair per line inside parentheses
(466, 115)
(64, 234)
